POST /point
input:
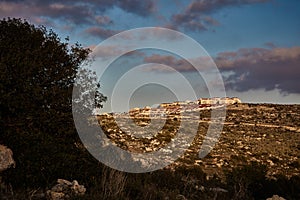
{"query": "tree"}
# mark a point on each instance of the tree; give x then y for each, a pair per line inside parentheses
(37, 76)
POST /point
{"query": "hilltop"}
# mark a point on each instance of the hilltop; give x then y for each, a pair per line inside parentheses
(265, 133)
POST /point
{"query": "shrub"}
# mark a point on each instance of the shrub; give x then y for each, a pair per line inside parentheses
(245, 181)
(37, 78)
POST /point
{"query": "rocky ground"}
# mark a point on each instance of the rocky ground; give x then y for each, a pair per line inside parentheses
(265, 133)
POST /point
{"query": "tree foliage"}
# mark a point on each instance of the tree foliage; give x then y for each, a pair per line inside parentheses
(38, 71)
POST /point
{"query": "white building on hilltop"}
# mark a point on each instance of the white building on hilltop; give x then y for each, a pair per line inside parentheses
(219, 100)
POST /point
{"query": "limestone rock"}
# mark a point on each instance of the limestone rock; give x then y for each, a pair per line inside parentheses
(65, 189)
(276, 197)
(6, 158)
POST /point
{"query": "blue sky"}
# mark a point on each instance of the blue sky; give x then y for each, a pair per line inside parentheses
(254, 43)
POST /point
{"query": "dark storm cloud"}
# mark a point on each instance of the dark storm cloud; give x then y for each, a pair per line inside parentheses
(196, 15)
(246, 69)
(258, 68)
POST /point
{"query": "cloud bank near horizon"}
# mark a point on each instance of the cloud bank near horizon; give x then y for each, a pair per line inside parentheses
(248, 68)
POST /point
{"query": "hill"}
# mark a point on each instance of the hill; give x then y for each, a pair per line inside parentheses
(268, 134)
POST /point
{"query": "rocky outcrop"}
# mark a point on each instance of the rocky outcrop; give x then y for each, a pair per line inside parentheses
(65, 189)
(6, 158)
(276, 197)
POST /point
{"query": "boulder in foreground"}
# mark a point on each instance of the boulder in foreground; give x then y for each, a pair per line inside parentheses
(65, 189)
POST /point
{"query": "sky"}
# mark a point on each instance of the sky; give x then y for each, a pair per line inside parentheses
(255, 44)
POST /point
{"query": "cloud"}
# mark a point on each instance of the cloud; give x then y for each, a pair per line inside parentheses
(100, 32)
(189, 21)
(154, 33)
(142, 8)
(196, 16)
(73, 11)
(103, 20)
(245, 69)
(206, 6)
(160, 34)
(179, 64)
(70, 13)
(108, 51)
(259, 68)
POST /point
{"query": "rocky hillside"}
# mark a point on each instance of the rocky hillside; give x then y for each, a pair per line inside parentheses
(268, 134)
(265, 133)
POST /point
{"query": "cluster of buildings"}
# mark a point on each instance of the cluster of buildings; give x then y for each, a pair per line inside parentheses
(205, 101)
(219, 100)
(186, 106)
